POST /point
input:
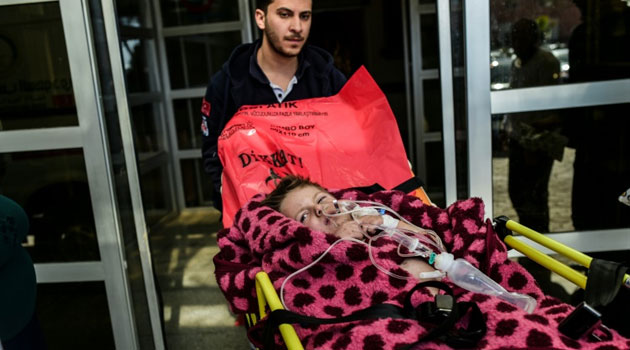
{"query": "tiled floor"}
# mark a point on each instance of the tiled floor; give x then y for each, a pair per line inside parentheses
(195, 313)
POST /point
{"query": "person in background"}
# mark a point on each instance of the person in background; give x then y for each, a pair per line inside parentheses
(19, 328)
(534, 142)
(279, 67)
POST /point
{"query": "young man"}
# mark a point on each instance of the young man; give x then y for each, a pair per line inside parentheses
(279, 67)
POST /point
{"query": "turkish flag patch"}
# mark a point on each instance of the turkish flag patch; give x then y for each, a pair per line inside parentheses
(205, 108)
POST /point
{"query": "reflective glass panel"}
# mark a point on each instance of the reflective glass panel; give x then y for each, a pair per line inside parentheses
(563, 170)
(197, 187)
(133, 13)
(139, 62)
(432, 105)
(134, 271)
(546, 42)
(193, 59)
(147, 129)
(35, 83)
(187, 119)
(52, 187)
(155, 194)
(187, 12)
(430, 44)
(435, 172)
(75, 315)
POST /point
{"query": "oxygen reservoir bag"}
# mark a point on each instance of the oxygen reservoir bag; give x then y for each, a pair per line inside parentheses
(347, 140)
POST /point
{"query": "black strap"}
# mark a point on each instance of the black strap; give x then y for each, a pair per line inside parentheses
(407, 186)
(603, 282)
(369, 189)
(428, 313)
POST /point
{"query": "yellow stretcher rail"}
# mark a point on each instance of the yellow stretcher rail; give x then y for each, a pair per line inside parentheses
(545, 260)
(267, 295)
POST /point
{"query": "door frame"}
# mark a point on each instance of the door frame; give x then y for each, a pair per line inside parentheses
(482, 103)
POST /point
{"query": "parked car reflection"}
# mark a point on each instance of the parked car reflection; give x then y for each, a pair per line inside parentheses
(501, 64)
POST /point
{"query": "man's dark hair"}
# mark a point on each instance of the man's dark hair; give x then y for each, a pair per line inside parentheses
(286, 185)
(263, 4)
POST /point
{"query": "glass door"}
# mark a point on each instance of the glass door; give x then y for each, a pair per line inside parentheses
(548, 100)
(55, 161)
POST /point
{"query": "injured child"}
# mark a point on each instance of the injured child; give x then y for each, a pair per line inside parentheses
(289, 235)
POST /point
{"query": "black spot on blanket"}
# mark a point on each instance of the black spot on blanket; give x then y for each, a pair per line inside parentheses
(379, 297)
(303, 236)
(368, 274)
(537, 339)
(327, 291)
(505, 307)
(373, 342)
(357, 252)
(343, 272)
(322, 338)
(517, 280)
(294, 254)
(505, 328)
(352, 296)
(398, 326)
(303, 299)
(333, 311)
(262, 213)
(538, 319)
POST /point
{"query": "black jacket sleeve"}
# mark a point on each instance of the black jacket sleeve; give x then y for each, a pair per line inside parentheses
(212, 117)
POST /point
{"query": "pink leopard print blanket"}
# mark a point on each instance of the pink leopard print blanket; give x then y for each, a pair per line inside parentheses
(346, 280)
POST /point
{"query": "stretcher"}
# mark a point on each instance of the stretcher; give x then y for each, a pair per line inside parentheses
(267, 296)
(269, 301)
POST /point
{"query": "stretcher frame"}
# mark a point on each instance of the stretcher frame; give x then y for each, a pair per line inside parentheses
(505, 227)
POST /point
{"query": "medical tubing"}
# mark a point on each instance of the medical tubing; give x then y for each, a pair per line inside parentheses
(369, 244)
(386, 271)
(311, 264)
(375, 208)
(466, 276)
(412, 240)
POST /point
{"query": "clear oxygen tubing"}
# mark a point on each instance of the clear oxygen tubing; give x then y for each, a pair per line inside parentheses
(459, 271)
(354, 208)
(417, 244)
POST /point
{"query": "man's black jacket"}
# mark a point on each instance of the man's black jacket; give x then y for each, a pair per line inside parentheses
(241, 81)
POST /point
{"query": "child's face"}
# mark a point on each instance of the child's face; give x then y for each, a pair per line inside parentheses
(307, 204)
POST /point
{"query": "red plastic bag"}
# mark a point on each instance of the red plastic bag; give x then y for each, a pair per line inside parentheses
(347, 140)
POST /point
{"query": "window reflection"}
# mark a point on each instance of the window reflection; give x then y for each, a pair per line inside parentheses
(75, 315)
(187, 123)
(35, 83)
(430, 45)
(567, 172)
(138, 65)
(197, 191)
(52, 187)
(188, 12)
(155, 194)
(146, 128)
(588, 38)
(193, 59)
(133, 13)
